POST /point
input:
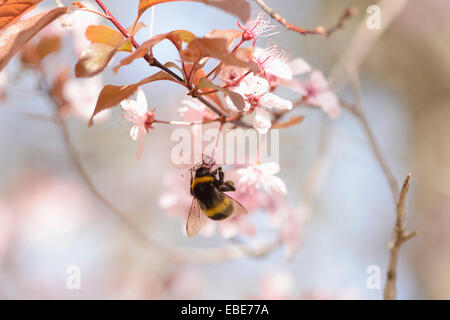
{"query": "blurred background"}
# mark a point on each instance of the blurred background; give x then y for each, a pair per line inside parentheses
(50, 219)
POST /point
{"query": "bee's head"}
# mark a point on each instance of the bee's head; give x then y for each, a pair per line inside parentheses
(202, 171)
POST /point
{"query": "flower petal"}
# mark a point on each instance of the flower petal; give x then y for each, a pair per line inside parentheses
(271, 100)
(141, 102)
(278, 68)
(262, 121)
(299, 66)
(318, 81)
(329, 103)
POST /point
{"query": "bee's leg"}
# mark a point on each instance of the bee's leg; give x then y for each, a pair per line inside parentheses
(227, 186)
(220, 175)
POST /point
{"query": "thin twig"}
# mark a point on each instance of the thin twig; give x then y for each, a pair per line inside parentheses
(400, 237)
(359, 112)
(349, 12)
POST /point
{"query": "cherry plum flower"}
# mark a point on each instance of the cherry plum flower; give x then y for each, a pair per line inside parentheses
(315, 89)
(193, 110)
(272, 62)
(136, 111)
(255, 91)
(257, 27)
(317, 92)
(261, 177)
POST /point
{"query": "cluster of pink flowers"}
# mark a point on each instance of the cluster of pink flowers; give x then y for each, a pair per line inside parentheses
(258, 188)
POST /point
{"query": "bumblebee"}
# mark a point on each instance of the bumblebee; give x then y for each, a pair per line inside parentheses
(209, 200)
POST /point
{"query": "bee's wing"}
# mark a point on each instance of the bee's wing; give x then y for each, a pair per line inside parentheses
(237, 207)
(195, 220)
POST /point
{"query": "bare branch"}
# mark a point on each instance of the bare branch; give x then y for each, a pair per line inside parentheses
(400, 237)
(359, 111)
(349, 12)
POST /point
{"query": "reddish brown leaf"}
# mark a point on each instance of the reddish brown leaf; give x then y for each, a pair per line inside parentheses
(111, 37)
(33, 54)
(197, 75)
(148, 45)
(11, 10)
(104, 34)
(218, 49)
(237, 99)
(57, 91)
(230, 35)
(185, 36)
(94, 59)
(238, 8)
(13, 38)
(291, 122)
(111, 96)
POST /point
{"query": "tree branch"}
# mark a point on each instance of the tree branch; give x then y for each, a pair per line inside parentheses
(400, 237)
(153, 62)
(349, 12)
(358, 110)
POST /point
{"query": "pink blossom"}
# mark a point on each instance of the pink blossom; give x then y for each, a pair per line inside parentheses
(299, 66)
(230, 75)
(272, 62)
(193, 110)
(261, 177)
(317, 92)
(136, 111)
(257, 27)
(255, 91)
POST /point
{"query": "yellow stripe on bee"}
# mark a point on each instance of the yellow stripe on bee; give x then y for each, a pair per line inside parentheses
(221, 207)
(201, 180)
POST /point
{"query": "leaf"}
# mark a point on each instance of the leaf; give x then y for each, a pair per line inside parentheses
(13, 38)
(185, 36)
(111, 96)
(111, 37)
(236, 98)
(12, 10)
(33, 54)
(215, 48)
(230, 35)
(93, 60)
(291, 122)
(238, 8)
(148, 45)
(104, 34)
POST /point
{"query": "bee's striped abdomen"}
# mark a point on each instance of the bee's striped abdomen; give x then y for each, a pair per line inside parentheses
(213, 204)
(223, 209)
